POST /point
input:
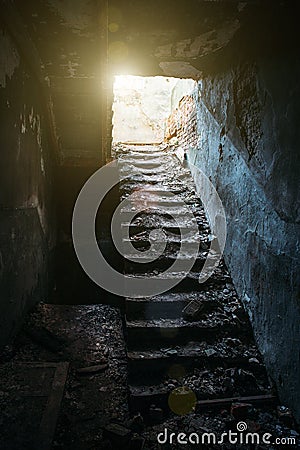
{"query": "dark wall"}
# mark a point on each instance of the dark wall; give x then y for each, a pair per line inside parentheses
(248, 144)
(248, 136)
(26, 231)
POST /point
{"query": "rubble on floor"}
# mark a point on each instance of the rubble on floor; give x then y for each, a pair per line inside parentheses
(94, 413)
(90, 338)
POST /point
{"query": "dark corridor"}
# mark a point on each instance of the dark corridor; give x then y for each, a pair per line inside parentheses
(189, 332)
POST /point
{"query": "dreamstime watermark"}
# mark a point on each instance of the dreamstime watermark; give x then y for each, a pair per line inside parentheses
(239, 437)
(103, 274)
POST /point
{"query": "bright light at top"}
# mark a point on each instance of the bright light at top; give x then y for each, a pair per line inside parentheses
(138, 82)
(143, 104)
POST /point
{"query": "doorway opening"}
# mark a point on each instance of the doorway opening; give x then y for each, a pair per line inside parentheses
(142, 105)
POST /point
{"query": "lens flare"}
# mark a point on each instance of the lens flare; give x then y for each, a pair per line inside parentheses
(182, 401)
(113, 27)
(117, 51)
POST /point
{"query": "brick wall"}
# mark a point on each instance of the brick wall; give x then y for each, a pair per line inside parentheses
(182, 123)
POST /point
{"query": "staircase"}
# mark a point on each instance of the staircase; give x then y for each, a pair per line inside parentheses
(195, 336)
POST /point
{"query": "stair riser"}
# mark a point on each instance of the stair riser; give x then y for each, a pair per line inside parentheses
(188, 285)
(168, 336)
(126, 187)
(136, 310)
(172, 229)
(148, 372)
(161, 264)
(141, 403)
(148, 311)
(144, 337)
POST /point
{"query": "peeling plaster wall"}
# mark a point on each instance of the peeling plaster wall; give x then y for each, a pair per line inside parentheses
(248, 145)
(26, 231)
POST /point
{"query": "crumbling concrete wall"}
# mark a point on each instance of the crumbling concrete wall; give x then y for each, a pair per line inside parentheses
(26, 231)
(248, 145)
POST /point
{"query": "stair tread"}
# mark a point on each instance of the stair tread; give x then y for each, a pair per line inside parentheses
(177, 323)
(141, 155)
(165, 208)
(180, 297)
(177, 189)
(161, 389)
(197, 349)
(136, 239)
(167, 224)
(165, 257)
(194, 276)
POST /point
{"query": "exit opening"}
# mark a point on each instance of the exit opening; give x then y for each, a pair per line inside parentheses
(142, 106)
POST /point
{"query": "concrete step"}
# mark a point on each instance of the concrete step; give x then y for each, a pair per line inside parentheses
(162, 263)
(161, 212)
(127, 186)
(140, 333)
(186, 282)
(167, 305)
(143, 148)
(148, 198)
(146, 367)
(145, 155)
(155, 191)
(175, 188)
(142, 156)
(190, 242)
(162, 203)
(141, 399)
(141, 161)
(140, 178)
(174, 231)
(151, 170)
(161, 197)
(146, 163)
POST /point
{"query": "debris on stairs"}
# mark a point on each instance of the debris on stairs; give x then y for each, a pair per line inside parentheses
(193, 336)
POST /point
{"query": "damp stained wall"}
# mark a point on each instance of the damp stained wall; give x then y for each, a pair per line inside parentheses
(247, 143)
(26, 230)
